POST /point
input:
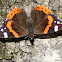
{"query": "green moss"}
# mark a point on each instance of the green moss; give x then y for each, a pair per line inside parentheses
(2, 14)
(15, 53)
(1, 60)
(1, 56)
(0, 2)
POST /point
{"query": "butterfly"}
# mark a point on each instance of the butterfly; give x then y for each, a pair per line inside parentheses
(19, 26)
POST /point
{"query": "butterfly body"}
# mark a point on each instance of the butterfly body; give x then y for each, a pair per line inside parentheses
(18, 25)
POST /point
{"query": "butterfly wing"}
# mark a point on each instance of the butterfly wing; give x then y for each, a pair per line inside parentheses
(15, 24)
(45, 22)
(39, 14)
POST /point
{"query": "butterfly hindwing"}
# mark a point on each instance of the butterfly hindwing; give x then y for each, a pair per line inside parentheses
(41, 26)
(19, 29)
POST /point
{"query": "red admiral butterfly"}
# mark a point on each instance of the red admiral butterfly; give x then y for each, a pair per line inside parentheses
(18, 25)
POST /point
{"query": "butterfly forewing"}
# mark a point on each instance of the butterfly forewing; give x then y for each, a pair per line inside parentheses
(19, 29)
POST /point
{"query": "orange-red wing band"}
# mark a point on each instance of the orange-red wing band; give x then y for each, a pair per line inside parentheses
(13, 12)
(8, 25)
(49, 24)
(42, 8)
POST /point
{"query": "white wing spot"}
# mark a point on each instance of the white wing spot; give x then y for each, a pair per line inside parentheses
(56, 28)
(58, 22)
(2, 30)
(5, 35)
(5, 28)
(54, 21)
(6, 19)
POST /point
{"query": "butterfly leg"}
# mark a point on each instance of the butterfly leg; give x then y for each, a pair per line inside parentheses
(31, 41)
